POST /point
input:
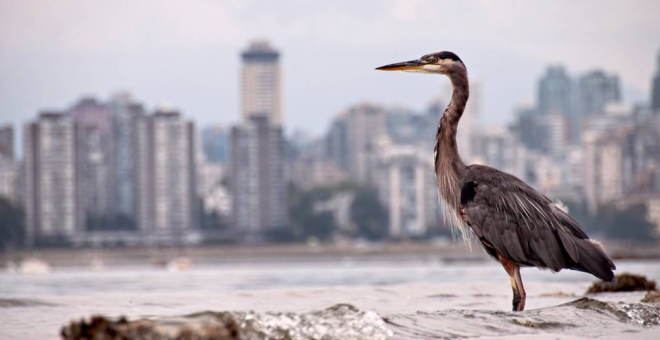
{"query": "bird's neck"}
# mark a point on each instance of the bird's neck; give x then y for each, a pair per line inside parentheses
(449, 167)
(459, 96)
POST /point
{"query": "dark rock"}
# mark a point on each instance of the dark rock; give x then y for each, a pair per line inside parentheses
(625, 282)
(102, 328)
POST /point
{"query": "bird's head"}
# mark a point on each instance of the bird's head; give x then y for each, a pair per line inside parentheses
(439, 62)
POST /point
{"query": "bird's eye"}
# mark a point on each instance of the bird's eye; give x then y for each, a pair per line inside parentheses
(432, 60)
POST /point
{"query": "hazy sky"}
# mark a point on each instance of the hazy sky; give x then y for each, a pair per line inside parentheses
(186, 53)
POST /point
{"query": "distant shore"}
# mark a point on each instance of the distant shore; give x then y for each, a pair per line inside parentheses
(275, 253)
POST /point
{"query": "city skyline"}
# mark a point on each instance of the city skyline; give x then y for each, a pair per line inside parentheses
(324, 72)
(106, 171)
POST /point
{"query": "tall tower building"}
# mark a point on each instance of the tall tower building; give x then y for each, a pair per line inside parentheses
(258, 186)
(50, 186)
(655, 89)
(596, 90)
(556, 93)
(260, 83)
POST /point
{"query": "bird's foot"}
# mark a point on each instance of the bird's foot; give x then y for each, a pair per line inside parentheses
(518, 303)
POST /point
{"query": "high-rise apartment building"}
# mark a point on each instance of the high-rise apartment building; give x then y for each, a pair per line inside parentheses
(405, 180)
(126, 115)
(95, 160)
(603, 168)
(261, 83)
(365, 124)
(554, 134)
(603, 148)
(165, 175)
(258, 187)
(8, 166)
(50, 172)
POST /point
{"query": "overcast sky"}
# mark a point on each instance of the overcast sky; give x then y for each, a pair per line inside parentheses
(186, 53)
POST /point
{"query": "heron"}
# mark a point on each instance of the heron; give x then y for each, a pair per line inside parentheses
(515, 224)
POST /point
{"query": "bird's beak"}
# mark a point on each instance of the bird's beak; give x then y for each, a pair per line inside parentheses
(404, 66)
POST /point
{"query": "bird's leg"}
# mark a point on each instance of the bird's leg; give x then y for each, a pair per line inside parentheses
(521, 291)
(514, 278)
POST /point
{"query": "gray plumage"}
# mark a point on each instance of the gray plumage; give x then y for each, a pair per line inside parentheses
(510, 217)
(516, 225)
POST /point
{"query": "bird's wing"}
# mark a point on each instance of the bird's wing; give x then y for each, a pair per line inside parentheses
(525, 226)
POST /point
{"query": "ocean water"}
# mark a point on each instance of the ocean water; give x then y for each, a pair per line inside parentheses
(342, 299)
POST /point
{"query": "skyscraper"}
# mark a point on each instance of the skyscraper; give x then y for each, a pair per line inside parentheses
(556, 93)
(260, 83)
(50, 186)
(596, 90)
(655, 89)
(258, 186)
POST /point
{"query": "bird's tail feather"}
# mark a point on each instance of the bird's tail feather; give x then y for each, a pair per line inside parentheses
(584, 253)
(592, 258)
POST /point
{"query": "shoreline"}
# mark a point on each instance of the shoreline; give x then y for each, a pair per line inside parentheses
(273, 253)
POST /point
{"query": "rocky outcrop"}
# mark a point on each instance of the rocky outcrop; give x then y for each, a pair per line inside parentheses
(341, 321)
(625, 282)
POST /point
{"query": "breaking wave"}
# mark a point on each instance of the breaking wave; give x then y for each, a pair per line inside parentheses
(341, 321)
